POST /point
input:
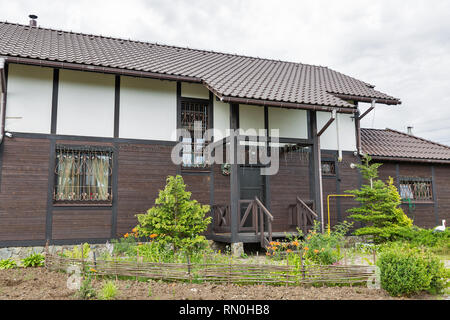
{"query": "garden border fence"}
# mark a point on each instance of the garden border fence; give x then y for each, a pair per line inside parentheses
(232, 273)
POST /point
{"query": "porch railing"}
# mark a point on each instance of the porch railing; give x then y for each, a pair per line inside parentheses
(302, 215)
(261, 220)
(221, 216)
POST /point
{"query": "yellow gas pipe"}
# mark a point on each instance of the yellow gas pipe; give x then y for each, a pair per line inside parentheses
(328, 205)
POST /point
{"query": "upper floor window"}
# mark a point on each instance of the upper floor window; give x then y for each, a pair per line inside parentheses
(416, 189)
(195, 119)
(83, 175)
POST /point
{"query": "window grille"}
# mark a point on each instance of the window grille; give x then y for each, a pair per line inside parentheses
(194, 116)
(83, 175)
(417, 189)
(328, 168)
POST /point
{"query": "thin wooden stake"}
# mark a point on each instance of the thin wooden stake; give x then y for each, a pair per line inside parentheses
(287, 270)
(82, 260)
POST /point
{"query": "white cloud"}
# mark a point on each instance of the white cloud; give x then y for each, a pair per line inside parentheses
(400, 46)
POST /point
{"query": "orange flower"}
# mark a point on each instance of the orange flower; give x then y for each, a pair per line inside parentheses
(134, 230)
(267, 253)
(306, 248)
(126, 235)
(316, 251)
(272, 243)
(93, 270)
(154, 235)
(308, 238)
(288, 250)
(295, 243)
(323, 249)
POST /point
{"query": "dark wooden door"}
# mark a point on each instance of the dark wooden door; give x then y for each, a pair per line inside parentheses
(251, 186)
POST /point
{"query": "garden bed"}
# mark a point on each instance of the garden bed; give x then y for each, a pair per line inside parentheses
(40, 284)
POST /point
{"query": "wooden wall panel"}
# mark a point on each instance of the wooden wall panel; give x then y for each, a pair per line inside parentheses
(291, 181)
(143, 170)
(23, 193)
(442, 185)
(81, 224)
(221, 186)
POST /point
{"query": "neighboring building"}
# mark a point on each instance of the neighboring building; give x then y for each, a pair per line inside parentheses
(420, 169)
(89, 126)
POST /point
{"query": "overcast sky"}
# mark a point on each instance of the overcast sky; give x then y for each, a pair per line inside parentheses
(401, 47)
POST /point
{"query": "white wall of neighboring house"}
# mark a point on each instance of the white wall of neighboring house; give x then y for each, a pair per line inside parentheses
(347, 132)
(85, 104)
(29, 105)
(148, 109)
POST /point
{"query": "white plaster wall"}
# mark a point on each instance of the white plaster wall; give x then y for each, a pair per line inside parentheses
(292, 123)
(251, 117)
(194, 90)
(347, 133)
(29, 105)
(85, 104)
(148, 109)
(221, 120)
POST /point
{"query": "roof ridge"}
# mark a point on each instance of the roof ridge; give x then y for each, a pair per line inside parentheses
(418, 138)
(166, 45)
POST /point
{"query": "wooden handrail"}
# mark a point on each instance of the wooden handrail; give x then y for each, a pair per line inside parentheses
(307, 208)
(268, 214)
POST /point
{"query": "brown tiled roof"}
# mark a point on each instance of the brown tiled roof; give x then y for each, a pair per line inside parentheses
(227, 75)
(388, 143)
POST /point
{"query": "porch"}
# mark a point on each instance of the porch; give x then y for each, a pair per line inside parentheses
(261, 207)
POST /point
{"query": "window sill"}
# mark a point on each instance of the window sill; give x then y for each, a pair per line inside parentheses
(418, 202)
(78, 205)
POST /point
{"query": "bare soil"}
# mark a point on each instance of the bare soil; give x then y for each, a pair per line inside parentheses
(40, 284)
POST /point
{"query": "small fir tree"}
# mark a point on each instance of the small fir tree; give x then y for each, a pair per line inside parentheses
(175, 219)
(379, 209)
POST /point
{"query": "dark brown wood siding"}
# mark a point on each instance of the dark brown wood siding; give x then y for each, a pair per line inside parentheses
(442, 186)
(345, 179)
(81, 224)
(143, 169)
(292, 180)
(23, 193)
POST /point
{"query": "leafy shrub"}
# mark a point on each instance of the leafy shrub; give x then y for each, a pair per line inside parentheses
(426, 237)
(75, 253)
(109, 291)
(7, 264)
(176, 219)
(34, 260)
(125, 245)
(87, 291)
(407, 271)
(324, 248)
(315, 247)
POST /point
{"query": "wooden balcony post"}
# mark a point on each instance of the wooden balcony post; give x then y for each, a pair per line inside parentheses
(315, 166)
(234, 174)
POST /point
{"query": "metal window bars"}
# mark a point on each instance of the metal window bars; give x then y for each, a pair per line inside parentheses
(417, 189)
(83, 174)
(194, 118)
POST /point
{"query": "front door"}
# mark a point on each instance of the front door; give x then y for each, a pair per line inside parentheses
(251, 185)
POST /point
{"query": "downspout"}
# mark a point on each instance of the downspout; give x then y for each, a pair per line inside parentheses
(3, 99)
(338, 140)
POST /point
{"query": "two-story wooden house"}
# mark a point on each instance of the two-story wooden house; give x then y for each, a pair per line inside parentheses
(87, 132)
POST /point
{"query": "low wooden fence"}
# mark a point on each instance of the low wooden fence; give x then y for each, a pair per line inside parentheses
(219, 273)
